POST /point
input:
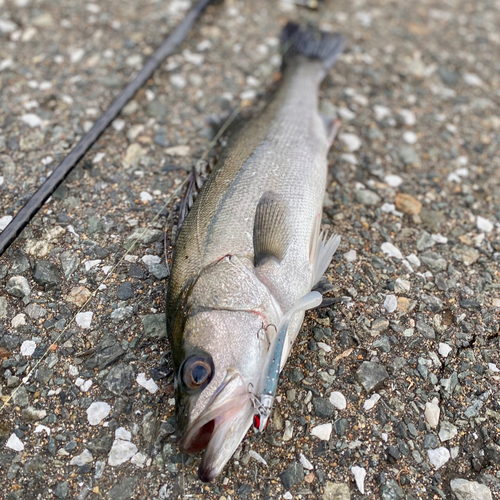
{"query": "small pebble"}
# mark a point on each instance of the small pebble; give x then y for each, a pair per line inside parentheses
(323, 431)
(390, 250)
(84, 319)
(351, 142)
(5, 221)
(484, 224)
(444, 349)
(359, 474)
(14, 443)
(393, 180)
(410, 137)
(338, 400)
(28, 348)
(438, 457)
(32, 120)
(371, 402)
(149, 384)
(351, 256)
(390, 303)
(97, 412)
(432, 412)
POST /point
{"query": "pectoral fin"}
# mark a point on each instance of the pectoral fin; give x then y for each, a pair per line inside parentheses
(270, 231)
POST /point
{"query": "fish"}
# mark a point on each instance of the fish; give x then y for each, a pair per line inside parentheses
(249, 249)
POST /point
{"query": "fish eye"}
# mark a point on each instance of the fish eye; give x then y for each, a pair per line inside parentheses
(196, 371)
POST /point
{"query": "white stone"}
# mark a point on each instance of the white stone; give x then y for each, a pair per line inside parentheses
(447, 431)
(351, 256)
(253, 454)
(32, 120)
(148, 384)
(454, 452)
(14, 443)
(346, 113)
(444, 349)
(145, 196)
(408, 117)
(5, 221)
(28, 348)
(84, 319)
(439, 238)
(381, 112)
(391, 250)
(458, 174)
(151, 259)
(470, 490)
(98, 157)
(413, 260)
(390, 303)
(139, 459)
(118, 124)
(76, 55)
(351, 141)
(121, 452)
(287, 495)
(89, 264)
(393, 180)
(123, 434)
(410, 137)
(7, 26)
(178, 81)
(338, 400)
(402, 286)
(323, 431)
(432, 412)
(181, 150)
(288, 434)
(359, 474)
(472, 79)
(493, 367)
(438, 457)
(134, 60)
(484, 224)
(305, 463)
(370, 403)
(192, 57)
(324, 347)
(84, 458)
(97, 412)
(85, 387)
(42, 428)
(6, 63)
(388, 208)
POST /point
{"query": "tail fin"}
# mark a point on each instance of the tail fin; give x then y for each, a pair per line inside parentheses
(297, 40)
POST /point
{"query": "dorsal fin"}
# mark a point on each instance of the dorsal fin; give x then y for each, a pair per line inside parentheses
(270, 231)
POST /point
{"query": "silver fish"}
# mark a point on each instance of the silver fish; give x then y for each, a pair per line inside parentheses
(249, 249)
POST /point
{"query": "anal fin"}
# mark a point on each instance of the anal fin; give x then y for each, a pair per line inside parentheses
(270, 231)
(326, 247)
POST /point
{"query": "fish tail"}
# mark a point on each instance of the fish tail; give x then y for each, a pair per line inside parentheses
(313, 44)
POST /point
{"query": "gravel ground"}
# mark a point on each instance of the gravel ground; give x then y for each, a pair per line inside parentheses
(402, 386)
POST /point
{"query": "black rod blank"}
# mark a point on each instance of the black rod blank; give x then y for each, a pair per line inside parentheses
(33, 205)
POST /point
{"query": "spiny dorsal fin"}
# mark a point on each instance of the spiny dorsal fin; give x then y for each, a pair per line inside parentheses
(270, 231)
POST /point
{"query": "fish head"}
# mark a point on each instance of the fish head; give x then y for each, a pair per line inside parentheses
(214, 385)
(223, 352)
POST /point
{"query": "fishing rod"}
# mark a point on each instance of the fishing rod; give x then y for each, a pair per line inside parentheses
(33, 205)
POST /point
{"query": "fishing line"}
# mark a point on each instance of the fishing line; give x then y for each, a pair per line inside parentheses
(175, 193)
(33, 205)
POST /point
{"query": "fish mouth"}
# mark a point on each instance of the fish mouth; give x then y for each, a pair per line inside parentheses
(220, 428)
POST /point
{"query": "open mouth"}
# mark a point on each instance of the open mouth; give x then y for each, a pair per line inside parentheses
(220, 428)
(200, 441)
